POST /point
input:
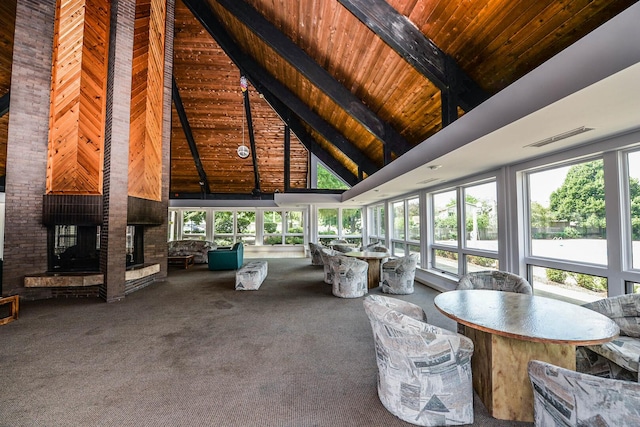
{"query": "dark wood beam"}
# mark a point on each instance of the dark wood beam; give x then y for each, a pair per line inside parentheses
(4, 103)
(287, 158)
(283, 101)
(320, 77)
(252, 139)
(418, 50)
(186, 128)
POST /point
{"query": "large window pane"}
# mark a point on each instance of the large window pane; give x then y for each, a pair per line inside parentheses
(567, 213)
(194, 225)
(246, 227)
(480, 263)
(574, 287)
(415, 250)
(445, 216)
(481, 220)
(634, 198)
(352, 222)
(445, 261)
(272, 228)
(398, 220)
(328, 222)
(414, 219)
(295, 228)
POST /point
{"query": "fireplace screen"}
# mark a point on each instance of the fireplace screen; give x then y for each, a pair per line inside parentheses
(74, 248)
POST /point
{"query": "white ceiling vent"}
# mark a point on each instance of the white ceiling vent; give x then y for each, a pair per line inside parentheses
(560, 136)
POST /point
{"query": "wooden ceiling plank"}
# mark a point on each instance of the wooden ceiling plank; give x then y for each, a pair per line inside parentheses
(265, 82)
(293, 54)
(410, 43)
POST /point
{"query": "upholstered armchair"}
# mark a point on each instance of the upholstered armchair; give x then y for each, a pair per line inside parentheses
(398, 275)
(316, 257)
(349, 276)
(619, 358)
(495, 280)
(325, 253)
(226, 259)
(562, 397)
(424, 372)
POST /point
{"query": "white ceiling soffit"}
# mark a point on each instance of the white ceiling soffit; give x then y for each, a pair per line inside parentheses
(593, 83)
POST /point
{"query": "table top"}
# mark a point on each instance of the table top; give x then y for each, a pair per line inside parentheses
(526, 317)
(368, 254)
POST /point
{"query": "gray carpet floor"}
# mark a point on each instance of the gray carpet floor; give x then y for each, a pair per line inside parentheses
(192, 351)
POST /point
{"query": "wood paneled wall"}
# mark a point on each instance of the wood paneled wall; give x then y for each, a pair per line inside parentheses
(78, 96)
(145, 140)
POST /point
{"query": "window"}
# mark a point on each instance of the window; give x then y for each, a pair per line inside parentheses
(568, 285)
(445, 218)
(465, 235)
(328, 180)
(246, 227)
(405, 237)
(194, 225)
(481, 220)
(397, 211)
(567, 213)
(376, 224)
(633, 177)
(294, 234)
(272, 231)
(223, 228)
(340, 223)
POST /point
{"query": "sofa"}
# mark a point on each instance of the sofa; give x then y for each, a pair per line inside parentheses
(226, 258)
(197, 248)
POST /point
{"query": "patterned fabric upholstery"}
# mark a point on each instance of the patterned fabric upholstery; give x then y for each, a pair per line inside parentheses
(325, 253)
(624, 351)
(251, 275)
(316, 257)
(562, 397)
(398, 275)
(197, 248)
(424, 372)
(495, 280)
(344, 248)
(349, 276)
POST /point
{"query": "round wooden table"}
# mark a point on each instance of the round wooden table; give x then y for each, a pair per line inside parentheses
(509, 329)
(373, 259)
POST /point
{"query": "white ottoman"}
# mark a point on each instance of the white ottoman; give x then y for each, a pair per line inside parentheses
(250, 276)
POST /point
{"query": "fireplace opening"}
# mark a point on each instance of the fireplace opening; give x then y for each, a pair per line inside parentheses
(74, 248)
(135, 246)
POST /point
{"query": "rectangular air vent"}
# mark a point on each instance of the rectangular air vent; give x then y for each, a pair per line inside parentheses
(560, 136)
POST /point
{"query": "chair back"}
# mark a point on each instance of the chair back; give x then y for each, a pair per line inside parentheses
(622, 309)
(495, 280)
(569, 398)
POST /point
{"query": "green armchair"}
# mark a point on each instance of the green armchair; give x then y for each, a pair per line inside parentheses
(226, 259)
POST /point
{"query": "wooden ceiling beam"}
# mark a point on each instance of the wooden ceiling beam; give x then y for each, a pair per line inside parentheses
(186, 128)
(252, 139)
(425, 56)
(4, 103)
(317, 75)
(282, 100)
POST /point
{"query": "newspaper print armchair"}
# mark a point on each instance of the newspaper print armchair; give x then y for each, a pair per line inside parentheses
(349, 276)
(325, 253)
(495, 280)
(398, 275)
(562, 397)
(316, 257)
(620, 357)
(424, 372)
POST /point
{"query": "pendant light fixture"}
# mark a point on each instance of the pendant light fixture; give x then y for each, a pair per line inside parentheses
(243, 150)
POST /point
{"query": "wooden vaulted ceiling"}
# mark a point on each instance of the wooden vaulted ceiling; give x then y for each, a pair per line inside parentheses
(359, 82)
(356, 83)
